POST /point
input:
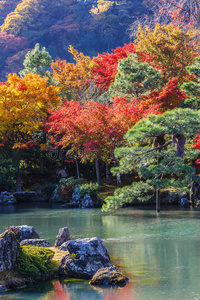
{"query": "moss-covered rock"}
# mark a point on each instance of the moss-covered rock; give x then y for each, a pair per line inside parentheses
(35, 263)
(109, 276)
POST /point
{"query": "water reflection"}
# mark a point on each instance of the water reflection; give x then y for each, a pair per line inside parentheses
(160, 254)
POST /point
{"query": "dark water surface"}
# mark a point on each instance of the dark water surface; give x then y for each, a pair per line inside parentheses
(160, 254)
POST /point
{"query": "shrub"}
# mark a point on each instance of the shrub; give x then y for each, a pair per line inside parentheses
(89, 188)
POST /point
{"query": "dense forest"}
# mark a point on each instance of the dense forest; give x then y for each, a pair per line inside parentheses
(89, 25)
(132, 110)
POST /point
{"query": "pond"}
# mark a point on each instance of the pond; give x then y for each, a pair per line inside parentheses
(160, 254)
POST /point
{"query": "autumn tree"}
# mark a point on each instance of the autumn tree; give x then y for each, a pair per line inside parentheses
(92, 130)
(172, 48)
(158, 149)
(24, 103)
(75, 79)
(105, 65)
(168, 97)
(183, 13)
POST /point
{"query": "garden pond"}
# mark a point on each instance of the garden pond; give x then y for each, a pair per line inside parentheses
(159, 253)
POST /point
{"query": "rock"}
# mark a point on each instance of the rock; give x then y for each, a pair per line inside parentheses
(25, 196)
(36, 242)
(56, 197)
(7, 198)
(197, 203)
(87, 201)
(184, 202)
(25, 232)
(171, 198)
(109, 276)
(9, 250)
(85, 257)
(3, 289)
(76, 196)
(67, 205)
(62, 237)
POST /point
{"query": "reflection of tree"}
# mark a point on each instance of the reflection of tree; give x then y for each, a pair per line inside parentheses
(57, 294)
(116, 293)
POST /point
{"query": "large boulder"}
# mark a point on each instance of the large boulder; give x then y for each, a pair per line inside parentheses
(87, 202)
(24, 232)
(36, 242)
(62, 237)
(85, 257)
(9, 250)
(109, 276)
(76, 196)
(7, 198)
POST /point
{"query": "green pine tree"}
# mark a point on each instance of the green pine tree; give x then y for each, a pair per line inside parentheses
(159, 149)
(135, 78)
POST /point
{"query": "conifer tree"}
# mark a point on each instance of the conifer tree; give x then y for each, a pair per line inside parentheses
(158, 150)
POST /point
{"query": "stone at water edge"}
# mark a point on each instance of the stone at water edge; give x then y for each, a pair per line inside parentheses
(109, 276)
(184, 202)
(25, 232)
(87, 202)
(7, 198)
(36, 242)
(62, 237)
(9, 250)
(76, 197)
(3, 289)
(85, 257)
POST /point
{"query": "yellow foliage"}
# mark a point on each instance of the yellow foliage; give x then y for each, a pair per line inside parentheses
(102, 6)
(24, 104)
(172, 48)
(74, 78)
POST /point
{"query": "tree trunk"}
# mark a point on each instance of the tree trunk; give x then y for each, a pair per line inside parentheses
(107, 174)
(19, 183)
(157, 200)
(119, 183)
(97, 170)
(77, 169)
(16, 161)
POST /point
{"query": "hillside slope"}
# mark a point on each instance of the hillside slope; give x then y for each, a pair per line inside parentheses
(91, 26)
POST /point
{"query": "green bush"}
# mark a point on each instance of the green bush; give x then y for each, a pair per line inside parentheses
(47, 188)
(89, 188)
(35, 263)
(70, 182)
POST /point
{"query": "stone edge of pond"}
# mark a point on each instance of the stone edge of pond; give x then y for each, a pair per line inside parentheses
(86, 245)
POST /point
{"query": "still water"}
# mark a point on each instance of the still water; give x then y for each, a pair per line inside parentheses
(160, 254)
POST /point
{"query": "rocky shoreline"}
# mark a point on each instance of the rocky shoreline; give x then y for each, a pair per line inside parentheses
(81, 258)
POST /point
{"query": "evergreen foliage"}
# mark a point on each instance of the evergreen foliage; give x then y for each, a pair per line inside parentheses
(192, 88)
(135, 78)
(36, 61)
(158, 166)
